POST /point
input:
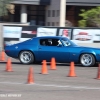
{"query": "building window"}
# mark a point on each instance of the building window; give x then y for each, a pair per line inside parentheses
(40, 23)
(41, 8)
(33, 8)
(41, 12)
(48, 23)
(49, 13)
(33, 17)
(53, 24)
(57, 23)
(53, 13)
(32, 12)
(57, 13)
(36, 13)
(40, 18)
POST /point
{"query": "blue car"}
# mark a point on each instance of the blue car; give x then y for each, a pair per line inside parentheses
(61, 48)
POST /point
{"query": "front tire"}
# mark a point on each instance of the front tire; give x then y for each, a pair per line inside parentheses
(26, 57)
(87, 60)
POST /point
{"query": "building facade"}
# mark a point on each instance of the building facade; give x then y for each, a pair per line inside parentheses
(50, 12)
(40, 12)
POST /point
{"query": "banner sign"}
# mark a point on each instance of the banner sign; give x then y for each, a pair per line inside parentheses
(16, 34)
(65, 33)
(86, 35)
(46, 32)
(28, 32)
(12, 32)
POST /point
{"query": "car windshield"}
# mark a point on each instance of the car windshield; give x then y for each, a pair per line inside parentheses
(67, 42)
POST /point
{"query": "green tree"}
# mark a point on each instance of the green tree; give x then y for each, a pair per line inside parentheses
(4, 7)
(90, 18)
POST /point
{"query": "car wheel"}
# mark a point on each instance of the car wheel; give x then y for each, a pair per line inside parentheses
(26, 57)
(87, 60)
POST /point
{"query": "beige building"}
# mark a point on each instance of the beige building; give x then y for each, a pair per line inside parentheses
(49, 12)
(39, 12)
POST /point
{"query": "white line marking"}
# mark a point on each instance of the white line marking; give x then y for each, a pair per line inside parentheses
(69, 86)
(58, 86)
(10, 83)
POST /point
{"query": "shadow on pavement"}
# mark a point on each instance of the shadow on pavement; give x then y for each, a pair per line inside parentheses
(48, 63)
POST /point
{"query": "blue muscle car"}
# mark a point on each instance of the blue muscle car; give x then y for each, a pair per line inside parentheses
(61, 48)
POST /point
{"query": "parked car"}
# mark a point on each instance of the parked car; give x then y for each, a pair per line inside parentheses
(61, 48)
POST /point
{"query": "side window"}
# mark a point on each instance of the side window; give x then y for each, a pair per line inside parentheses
(43, 42)
(66, 42)
(50, 42)
(56, 42)
(46, 42)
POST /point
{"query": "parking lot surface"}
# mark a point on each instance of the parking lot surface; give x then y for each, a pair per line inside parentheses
(56, 85)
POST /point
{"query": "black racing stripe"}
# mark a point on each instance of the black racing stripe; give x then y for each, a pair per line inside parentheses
(96, 41)
(11, 39)
(25, 35)
(29, 28)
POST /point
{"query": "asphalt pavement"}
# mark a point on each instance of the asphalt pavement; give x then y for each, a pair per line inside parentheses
(56, 85)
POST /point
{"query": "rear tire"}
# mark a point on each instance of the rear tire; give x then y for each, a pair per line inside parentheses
(26, 57)
(87, 60)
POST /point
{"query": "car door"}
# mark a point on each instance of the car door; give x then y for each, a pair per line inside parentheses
(47, 51)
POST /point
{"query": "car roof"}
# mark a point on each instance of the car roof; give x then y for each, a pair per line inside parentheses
(44, 37)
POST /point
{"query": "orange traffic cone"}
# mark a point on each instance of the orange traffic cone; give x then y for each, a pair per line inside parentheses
(2, 56)
(53, 64)
(30, 76)
(9, 66)
(44, 67)
(98, 74)
(72, 70)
